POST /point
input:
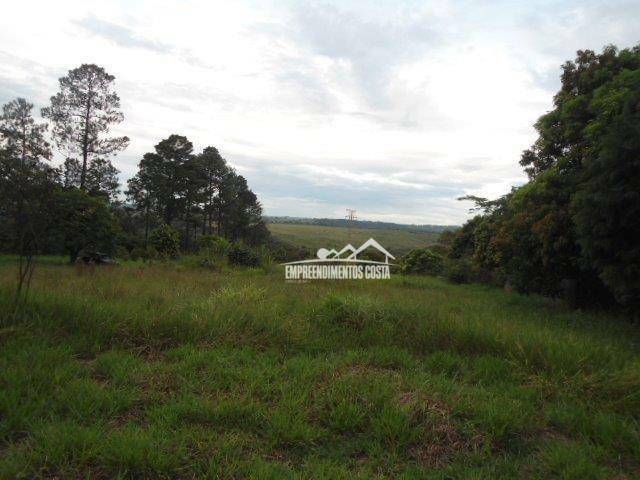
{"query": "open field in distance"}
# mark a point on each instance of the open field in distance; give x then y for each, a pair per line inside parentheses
(398, 242)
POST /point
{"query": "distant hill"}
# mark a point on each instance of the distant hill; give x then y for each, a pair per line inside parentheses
(360, 224)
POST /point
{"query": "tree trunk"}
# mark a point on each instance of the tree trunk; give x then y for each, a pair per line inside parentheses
(85, 144)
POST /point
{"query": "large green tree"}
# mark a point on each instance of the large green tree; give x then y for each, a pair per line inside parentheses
(26, 185)
(195, 193)
(82, 114)
(213, 168)
(162, 173)
(577, 222)
(607, 202)
(83, 223)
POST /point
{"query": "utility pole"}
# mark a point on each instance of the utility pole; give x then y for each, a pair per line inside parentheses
(351, 217)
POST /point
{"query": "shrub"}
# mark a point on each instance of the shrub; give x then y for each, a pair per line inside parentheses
(422, 261)
(211, 250)
(213, 245)
(283, 251)
(166, 240)
(459, 270)
(241, 255)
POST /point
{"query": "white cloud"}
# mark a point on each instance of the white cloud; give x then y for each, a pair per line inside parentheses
(391, 108)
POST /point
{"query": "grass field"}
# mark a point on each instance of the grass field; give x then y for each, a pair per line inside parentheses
(398, 242)
(168, 371)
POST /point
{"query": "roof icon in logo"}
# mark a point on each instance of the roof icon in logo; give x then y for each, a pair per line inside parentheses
(349, 254)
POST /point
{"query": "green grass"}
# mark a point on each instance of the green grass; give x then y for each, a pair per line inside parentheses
(398, 242)
(167, 371)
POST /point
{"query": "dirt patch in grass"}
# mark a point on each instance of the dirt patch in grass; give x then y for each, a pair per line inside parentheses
(442, 439)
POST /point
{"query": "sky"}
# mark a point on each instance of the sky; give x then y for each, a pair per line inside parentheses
(390, 108)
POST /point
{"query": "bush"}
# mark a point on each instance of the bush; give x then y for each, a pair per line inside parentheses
(166, 240)
(211, 250)
(459, 270)
(212, 245)
(242, 255)
(282, 251)
(422, 261)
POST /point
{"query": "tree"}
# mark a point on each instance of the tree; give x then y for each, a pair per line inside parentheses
(102, 179)
(422, 261)
(71, 171)
(607, 202)
(162, 175)
(166, 241)
(25, 187)
(21, 135)
(195, 193)
(577, 221)
(213, 168)
(141, 201)
(83, 222)
(239, 212)
(82, 113)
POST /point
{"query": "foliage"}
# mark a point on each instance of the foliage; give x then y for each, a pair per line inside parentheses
(21, 135)
(241, 255)
(41, 210)
(82, 113)
(26, 186)
(166, 241)
(83, 223)
(607, 201)
(577, 221)
(422, 261)
(195, 192)
(26, 182)
(212, 244)
(212, 250)
(460, 270)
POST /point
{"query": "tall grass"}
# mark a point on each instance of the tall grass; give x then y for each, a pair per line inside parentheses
(170, 371)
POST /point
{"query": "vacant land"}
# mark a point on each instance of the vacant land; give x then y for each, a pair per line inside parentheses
(167, 371)
(398, 242)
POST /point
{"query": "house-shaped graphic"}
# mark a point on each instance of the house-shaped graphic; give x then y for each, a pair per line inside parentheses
(370, 243)
(349, 254)
(348, 249)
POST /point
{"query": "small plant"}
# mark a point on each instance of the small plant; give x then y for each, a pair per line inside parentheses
(166, 240)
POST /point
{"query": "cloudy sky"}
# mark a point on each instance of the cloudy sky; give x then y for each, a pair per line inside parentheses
(391, 108)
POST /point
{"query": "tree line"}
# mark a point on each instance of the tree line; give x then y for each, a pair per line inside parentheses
(78, 206)
(574, 229)
(364, 224)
